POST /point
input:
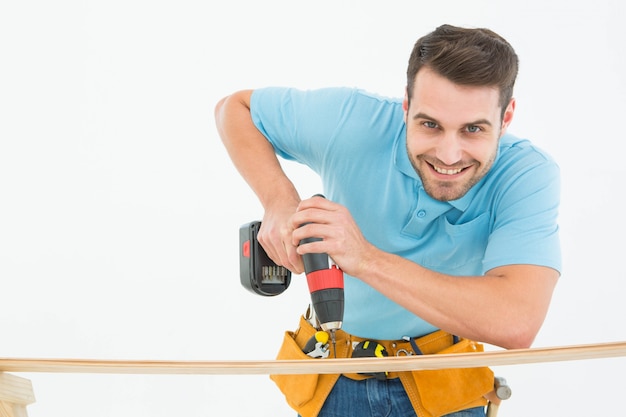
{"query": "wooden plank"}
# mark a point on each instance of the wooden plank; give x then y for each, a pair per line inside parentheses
(16, 390)
(6, 409)
(15, 394)
(12, 410)
(319, 366)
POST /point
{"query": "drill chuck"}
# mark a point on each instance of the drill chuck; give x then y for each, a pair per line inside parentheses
(326, 288)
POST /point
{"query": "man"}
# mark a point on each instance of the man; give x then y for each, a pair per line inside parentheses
(440, 219)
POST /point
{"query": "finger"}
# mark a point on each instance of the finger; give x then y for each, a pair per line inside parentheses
(311, 216)
(305, 231)
(294, 259)
(317, 201)
(267, 244)
(281, 251)
(313, 247)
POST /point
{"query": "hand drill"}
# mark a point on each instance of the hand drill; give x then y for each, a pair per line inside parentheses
(260, 275)
(326, 288)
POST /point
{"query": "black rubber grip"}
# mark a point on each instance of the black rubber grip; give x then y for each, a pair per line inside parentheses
(314, 261)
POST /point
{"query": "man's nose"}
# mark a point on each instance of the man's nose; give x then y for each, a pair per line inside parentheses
(449, 149)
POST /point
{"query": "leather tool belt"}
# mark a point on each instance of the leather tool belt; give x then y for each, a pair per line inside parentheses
(433, 393)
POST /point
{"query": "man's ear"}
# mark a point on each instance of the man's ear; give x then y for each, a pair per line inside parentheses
(507, 118)
(405, 103)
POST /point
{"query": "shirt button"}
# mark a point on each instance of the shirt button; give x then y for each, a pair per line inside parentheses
(421, 214)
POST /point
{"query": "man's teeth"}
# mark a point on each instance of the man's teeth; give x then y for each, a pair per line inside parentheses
(447, 171)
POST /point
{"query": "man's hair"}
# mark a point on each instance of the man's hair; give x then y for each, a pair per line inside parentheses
(472, 57)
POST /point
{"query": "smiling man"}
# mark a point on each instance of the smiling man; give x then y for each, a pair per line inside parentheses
(444, 224)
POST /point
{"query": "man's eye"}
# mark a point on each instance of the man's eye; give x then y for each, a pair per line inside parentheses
(473, 129)
(430, 125)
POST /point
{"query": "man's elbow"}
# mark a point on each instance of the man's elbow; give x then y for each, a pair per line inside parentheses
(520, 337)
(520, 342)
(232, 107)
(218, 109)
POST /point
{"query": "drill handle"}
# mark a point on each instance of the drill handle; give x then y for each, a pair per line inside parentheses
(314, 261)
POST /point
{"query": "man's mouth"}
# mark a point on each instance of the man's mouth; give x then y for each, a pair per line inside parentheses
(446, 171)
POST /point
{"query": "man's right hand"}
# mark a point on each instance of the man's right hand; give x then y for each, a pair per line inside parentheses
(275, 236)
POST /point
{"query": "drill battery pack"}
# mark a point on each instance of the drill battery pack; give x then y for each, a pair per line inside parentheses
(258, 273)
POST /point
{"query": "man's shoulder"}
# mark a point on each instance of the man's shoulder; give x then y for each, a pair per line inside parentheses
(520, 161)
(516, 153)
(511, 145)
(326, 93)
(368, 95)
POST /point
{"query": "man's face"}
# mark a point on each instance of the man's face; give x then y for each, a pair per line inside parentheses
(452, 133)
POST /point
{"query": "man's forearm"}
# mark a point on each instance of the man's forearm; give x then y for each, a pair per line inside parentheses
(506, 307)
(255, 159)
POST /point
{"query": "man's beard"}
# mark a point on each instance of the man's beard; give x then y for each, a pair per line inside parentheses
(449, 190)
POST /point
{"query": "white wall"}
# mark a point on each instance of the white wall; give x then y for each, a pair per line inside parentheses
(119, 209)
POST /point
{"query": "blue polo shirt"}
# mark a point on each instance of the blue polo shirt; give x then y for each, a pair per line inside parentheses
(356, 142)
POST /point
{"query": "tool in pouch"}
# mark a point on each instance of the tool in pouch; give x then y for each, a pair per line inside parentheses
(260, 275)
(371, 349)
(317, 346)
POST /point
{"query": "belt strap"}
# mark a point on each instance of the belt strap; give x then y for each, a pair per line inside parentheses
(425, 345)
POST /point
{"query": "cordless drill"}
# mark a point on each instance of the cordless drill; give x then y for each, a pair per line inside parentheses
(260, 275)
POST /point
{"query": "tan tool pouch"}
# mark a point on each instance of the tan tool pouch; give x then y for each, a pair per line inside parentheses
(304, 393)
(435, 393)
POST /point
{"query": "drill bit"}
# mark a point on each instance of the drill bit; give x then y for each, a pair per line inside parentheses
(334, 341)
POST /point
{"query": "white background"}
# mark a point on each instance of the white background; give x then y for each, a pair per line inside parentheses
(120, 210)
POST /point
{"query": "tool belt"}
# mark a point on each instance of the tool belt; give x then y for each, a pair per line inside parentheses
(433, 393)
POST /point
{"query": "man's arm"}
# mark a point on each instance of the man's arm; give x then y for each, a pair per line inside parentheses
(256, 161)
(505, 307)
